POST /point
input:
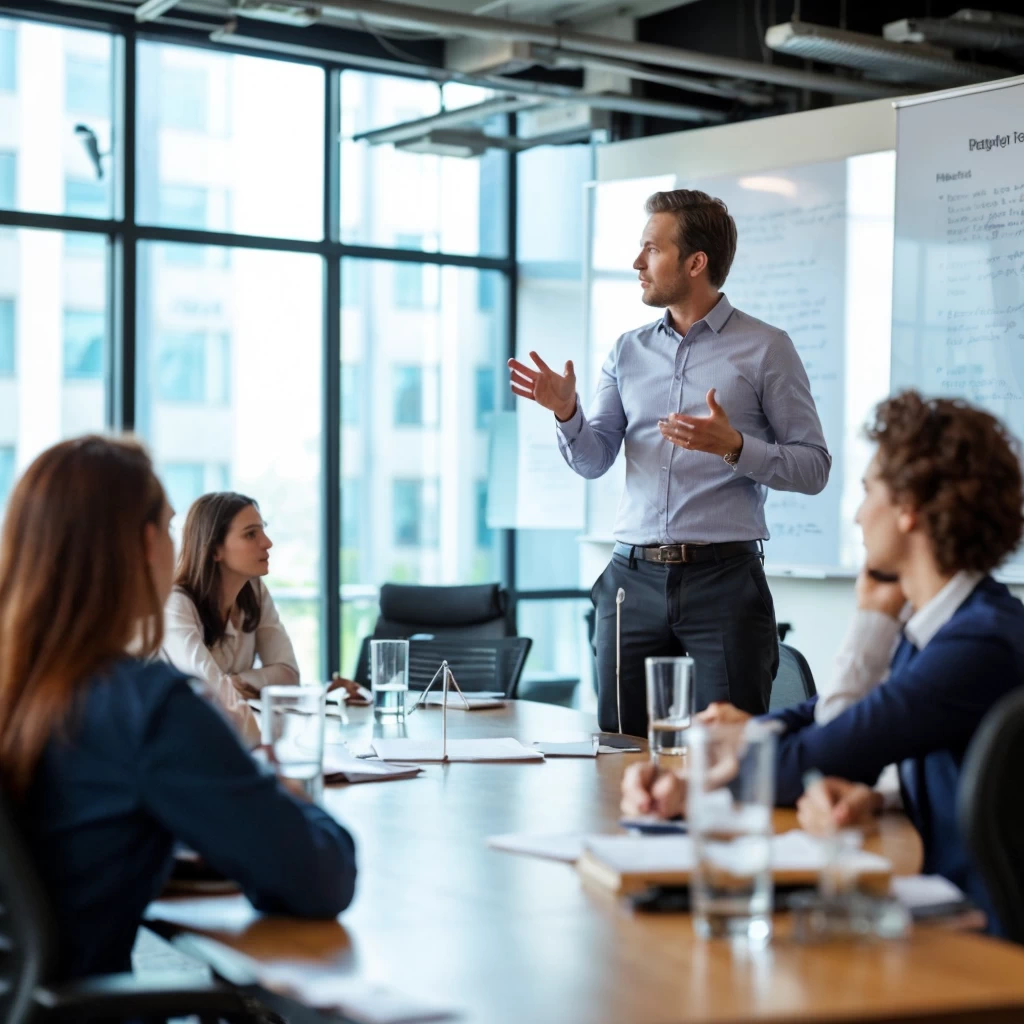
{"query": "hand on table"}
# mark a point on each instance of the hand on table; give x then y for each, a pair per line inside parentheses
(835, 803)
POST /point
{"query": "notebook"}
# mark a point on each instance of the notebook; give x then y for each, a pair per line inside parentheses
(628, 863)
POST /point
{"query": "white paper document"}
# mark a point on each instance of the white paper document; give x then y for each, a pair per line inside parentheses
(790, 851)
(475, 701)
(504, 748)
(341, 765)
(365, 1002)
(580, 748)
(918, 891)
(563, 848)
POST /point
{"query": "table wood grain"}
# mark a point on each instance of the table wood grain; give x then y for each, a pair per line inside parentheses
(508, 938)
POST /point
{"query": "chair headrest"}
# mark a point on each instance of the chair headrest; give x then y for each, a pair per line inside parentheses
(443, 606)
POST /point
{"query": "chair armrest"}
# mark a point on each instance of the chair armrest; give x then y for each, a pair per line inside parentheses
(170, 994)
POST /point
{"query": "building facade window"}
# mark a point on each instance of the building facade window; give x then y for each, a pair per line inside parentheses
(415, 515)
(84, 337)
(8, 59)
(192, 366)
(8, 345)
(8, 180)
(6, 476)
(484, 534)
(87, 86)
(184, 102)
(351, 394)
(484, 380)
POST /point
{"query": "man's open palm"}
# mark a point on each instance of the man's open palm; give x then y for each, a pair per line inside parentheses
(554, 391)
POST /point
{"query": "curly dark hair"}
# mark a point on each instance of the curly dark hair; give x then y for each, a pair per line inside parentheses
(960, 468)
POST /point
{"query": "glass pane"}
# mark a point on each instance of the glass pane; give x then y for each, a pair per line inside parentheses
(224, 404)
(229, 143)
(456, 205)
(414, 443)
(56, 118)
(54, 344)
(560, 657)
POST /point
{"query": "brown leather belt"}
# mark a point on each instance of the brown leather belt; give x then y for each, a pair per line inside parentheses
(679, 554)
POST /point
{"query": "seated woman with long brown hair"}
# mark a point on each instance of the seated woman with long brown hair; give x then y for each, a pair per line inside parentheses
(220, 623)
(111, 758)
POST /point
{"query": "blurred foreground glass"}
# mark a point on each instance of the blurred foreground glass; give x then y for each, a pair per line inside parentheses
(292, 724)
(389, 675)
(729, 808)
(669, 704)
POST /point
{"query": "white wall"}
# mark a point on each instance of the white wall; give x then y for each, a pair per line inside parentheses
(819, 610)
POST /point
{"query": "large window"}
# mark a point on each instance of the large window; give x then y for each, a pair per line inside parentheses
(405, 200)
(213, 349)
(53, 332)
(56, 114)
(229, 143)
(229, 395)
(414, 460)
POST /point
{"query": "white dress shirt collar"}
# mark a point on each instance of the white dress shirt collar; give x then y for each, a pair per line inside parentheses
(927, 621)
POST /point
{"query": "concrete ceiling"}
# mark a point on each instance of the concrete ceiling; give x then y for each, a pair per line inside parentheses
(575, 11)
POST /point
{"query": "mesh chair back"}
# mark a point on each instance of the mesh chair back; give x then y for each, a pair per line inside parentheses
(26, 931)
(477, 665)
(988, 809)
(793, 682)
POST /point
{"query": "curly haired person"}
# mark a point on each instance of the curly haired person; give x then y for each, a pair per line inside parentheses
(942, 508)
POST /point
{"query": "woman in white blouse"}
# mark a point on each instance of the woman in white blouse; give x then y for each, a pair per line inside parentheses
(220, 618)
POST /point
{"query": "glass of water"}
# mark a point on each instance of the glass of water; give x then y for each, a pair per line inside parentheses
(389, 675)
(292, 727)
(731, 774)
(669, 704)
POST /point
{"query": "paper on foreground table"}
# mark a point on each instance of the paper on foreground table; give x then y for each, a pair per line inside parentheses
(505, 748)
(578, 748)
(565, 848)
(358, 1000)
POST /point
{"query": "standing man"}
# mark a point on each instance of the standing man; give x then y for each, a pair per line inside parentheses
(715, 407)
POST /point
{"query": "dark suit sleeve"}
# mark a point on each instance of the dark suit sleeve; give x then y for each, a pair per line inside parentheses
(935, 703)
(799, 716)
(290, 857)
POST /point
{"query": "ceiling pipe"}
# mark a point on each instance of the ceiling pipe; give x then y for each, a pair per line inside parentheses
(473, 114)
(386, 14)
(749, 96)
(615, 102)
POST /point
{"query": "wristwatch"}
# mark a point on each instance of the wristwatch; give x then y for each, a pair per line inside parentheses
(733, 457)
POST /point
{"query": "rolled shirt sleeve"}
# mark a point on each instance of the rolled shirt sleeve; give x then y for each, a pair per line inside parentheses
(278, 665)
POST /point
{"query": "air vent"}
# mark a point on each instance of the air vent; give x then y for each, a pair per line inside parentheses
(897, 62)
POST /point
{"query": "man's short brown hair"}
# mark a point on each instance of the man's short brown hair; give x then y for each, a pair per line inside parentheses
(705, 225)
(960, 469)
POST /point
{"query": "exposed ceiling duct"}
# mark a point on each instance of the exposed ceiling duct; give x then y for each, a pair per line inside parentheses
(384, 14)
(965, 30)
(898, 62)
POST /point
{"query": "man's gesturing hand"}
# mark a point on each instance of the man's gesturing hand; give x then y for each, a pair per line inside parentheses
(712, 433)
(554, 391)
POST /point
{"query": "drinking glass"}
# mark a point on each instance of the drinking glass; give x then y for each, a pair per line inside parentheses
(730, 795)
(389, 675)
(292, 727)
(669, 704)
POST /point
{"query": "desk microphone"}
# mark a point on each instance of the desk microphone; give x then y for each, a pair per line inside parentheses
(619, 598)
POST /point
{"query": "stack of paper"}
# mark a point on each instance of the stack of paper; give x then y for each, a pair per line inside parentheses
(502, 749)
(579, 748)
(563, 848)
(341, 765)
(475, 701)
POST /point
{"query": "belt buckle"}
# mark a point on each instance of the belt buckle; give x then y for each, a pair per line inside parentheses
(663, 550)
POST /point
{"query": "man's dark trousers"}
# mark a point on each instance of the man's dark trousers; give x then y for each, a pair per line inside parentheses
(719, 612)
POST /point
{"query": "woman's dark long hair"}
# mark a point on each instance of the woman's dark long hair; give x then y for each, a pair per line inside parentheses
(76, 588)
(198, 574)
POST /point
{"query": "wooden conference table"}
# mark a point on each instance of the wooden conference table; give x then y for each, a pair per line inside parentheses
(509, 938)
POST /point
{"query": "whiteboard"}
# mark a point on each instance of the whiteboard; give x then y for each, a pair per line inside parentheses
(814, 258)
(958, 275)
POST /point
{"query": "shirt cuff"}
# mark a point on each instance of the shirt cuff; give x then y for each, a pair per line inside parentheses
(571, 428)
(752, 458)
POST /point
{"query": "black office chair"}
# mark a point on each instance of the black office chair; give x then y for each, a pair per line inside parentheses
(26, 962)
(478, 665)
(793, 681)
(466, 612)
(988, 809)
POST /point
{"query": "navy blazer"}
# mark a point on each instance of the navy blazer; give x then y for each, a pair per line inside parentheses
(922, 718)
(144, 763)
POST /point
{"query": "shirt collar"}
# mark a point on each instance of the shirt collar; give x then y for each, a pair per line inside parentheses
(715, 318)
(927, 621)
